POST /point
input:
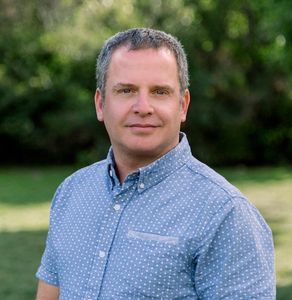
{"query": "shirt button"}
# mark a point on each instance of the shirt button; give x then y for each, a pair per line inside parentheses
(117, 207)
(141, 185)
(111, 173)
(102, 253)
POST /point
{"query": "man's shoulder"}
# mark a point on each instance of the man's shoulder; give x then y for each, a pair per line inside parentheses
(87, 173)
(211, 193)
(80, 182)
(92, 168)
(203, 175)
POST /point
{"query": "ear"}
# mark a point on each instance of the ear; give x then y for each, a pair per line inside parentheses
(185, 105)
(98, 105)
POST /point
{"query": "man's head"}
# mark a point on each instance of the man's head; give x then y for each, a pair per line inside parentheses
(141, 38)
(142, 95)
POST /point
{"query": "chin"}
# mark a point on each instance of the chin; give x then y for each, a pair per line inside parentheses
(143, 152)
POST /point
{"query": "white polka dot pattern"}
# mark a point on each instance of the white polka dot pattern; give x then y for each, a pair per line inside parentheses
(174, 229)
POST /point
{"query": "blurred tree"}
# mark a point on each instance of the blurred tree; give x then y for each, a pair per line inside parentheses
(49, 49)
(240, 65)
(237, 71)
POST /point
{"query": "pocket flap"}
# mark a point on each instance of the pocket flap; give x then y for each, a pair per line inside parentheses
(152, 237)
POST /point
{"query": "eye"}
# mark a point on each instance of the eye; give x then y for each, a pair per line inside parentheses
(161, 92)
(126, 90)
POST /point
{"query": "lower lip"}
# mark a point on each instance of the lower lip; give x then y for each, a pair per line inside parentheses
(139, 129)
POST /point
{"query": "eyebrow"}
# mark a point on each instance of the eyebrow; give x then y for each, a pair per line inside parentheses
(164, 87)
(123, 85)
(130, 85)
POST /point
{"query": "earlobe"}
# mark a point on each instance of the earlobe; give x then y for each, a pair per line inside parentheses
(98, 105)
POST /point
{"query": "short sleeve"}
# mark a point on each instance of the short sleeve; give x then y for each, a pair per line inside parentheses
(236, 260)
(47, 270)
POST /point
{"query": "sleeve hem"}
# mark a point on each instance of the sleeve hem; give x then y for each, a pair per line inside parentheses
(47, 276)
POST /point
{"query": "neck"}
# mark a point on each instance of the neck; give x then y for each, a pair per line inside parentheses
(126, 165)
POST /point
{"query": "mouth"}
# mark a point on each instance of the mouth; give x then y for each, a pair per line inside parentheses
(138, 128)
(138, 125)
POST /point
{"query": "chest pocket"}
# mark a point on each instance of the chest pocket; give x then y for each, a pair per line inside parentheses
(149, 265)
(158, 260)
(156, 253)
(154, 247)
(151, 237)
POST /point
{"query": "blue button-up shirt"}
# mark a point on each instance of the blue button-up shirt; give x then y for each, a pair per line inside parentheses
(174, 229)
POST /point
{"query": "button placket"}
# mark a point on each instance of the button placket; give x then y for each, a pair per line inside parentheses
(108, 228)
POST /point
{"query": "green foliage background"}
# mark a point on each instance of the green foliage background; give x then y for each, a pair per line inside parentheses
(240, 59)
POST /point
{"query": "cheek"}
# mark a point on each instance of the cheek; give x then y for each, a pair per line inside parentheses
(172, 114)
(116, 110)
(113, 118)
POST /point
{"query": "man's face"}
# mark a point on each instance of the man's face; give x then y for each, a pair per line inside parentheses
(142, 110)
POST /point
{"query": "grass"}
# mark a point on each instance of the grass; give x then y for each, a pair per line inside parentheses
(270, 190)
(25, 195)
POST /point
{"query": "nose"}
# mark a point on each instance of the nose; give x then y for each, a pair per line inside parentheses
(142, 106)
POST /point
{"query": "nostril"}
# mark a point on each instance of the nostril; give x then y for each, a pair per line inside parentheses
(142, 107)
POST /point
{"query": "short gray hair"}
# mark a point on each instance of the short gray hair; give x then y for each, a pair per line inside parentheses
(141, 38)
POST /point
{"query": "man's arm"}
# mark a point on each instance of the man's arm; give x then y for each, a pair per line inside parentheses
(237, 260)
(47, 291)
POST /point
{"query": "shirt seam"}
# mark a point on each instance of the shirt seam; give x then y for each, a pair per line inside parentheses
(230, 194)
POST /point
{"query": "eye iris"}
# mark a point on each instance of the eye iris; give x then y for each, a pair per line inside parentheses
(160, 92)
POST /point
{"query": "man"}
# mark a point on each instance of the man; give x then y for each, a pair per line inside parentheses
(151, 221)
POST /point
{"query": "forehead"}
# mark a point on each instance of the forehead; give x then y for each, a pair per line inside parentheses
(126, 52)
(142, 63)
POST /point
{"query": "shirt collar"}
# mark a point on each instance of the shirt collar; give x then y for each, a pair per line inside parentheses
(153, 173)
